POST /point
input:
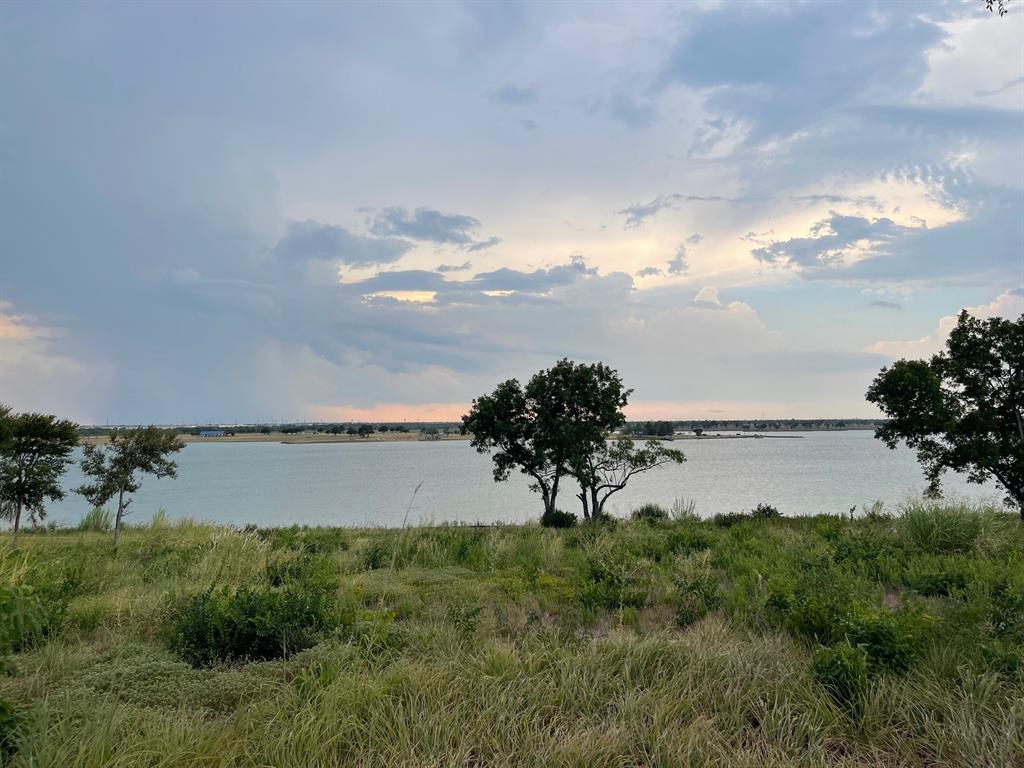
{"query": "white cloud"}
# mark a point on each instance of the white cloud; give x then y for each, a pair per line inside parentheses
(1009, 304)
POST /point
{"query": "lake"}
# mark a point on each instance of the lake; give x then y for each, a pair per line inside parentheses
(371, 484)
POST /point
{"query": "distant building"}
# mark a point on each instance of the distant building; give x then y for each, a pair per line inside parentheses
(211, 433)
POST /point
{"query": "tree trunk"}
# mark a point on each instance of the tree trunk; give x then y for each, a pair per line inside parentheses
(117, 520)
(582, 496)
(17, 517)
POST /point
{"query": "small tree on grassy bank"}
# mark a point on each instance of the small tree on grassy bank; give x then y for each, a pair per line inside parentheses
(560, 417)
(964, 409)
(608, 468)
(116, 469)
(35, 450)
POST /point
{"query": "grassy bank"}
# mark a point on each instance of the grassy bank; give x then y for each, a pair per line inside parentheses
(818, 641)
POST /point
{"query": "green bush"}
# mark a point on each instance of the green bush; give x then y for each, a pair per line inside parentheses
(24, 615)
(765, 512)
(941, 529)
(316, 570)
(729, 519)
(557, 519)
(251, 623)
(842, 669)
(650, 512)
(698, 591)
(891, 641)
(937, 575)
(376, 556)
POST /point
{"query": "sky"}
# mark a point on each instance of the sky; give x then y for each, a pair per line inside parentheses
(246, 212)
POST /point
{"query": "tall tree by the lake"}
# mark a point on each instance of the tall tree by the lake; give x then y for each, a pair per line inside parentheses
(557, 426)
(963, 410)
(117, 468)
(35, 450)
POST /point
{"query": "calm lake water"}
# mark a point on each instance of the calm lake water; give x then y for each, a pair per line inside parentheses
(357, 484)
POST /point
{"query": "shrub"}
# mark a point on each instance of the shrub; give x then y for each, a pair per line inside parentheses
(891, 641)
(937, 576)
(615, 578)
(97, 520)
(251, 624)
(316, 571)
(557, 519)
(730, 519)
(942, 529)
(23, 616)
(698, 589)
(842, 669)
(463, 617)
(650, 513)
(765, 512)
(376, 556)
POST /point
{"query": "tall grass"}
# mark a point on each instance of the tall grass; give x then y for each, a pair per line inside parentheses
(97, 520)
(817, 641)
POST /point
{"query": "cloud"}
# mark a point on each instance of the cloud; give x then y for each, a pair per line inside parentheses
(425, 224)
(830, 242)
(883, 304)
(529, 125)
(633, 110)
(781, 67)
(637, 214)
(431, 226)
(1007, 86)
(312, 240)
(453, 267)
(514, 96)
(695, 239)
(482, 245)
(537, 281)
(708, 295)
(648, 272)
(677, 264)
(1009, 304)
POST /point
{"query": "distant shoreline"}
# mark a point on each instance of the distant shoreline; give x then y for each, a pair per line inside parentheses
(409, 437)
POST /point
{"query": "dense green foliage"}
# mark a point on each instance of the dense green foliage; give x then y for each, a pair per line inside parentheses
(548, 428)
(35, 450)
(963, 410)
(892, 640)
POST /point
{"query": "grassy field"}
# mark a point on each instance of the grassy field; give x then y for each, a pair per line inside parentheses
(734, 642)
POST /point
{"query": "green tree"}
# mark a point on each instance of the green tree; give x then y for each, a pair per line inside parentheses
(365, 430)
(962, 410)
(117, 468)
(36, 450)
(608, 468)
(563, 414)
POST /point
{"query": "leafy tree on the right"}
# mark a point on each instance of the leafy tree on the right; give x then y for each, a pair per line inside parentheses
(963, 410)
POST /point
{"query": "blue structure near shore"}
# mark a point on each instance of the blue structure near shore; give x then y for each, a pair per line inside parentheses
(212, 433)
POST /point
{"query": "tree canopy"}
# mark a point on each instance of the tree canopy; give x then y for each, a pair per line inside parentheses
(963, 410)
(545, 429)
(35, 450)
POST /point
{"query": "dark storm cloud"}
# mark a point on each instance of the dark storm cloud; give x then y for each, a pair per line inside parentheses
(514, 95)
(313, 240)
